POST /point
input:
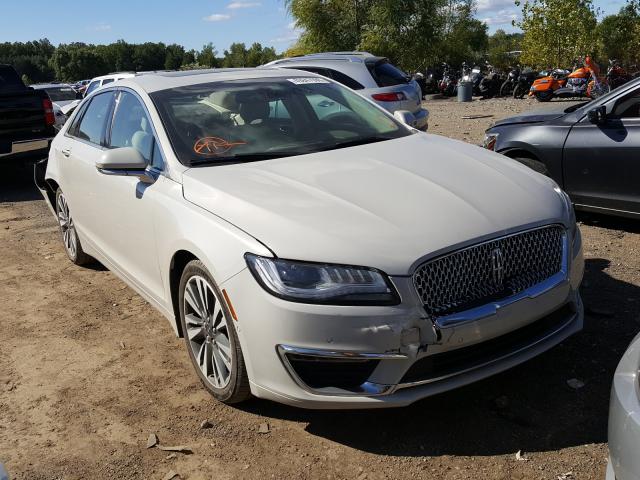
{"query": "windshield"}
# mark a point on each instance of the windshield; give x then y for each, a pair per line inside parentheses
(61, 94)
(258, 119)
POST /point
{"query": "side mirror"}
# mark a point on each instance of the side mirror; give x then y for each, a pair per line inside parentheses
(598, 114)
(406, 117)
(125, 162)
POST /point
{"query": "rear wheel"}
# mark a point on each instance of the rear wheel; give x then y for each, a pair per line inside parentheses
(544, 96)
(506, 88)
(519, 91)
(68, 232)
(210, 336)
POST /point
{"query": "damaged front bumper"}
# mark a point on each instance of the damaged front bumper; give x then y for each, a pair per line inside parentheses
(321, 356)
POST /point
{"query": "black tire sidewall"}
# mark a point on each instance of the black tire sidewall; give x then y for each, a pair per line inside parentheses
(229, 393)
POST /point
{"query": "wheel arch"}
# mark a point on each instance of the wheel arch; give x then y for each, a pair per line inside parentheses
(179, 261)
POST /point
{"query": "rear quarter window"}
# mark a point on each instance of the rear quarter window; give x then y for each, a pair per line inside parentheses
(387, 75)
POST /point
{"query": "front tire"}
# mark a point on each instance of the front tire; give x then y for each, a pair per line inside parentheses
(210, 336)
(68, 233)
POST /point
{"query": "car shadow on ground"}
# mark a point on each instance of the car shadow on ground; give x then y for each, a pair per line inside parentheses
(530, 408)
(16, 182)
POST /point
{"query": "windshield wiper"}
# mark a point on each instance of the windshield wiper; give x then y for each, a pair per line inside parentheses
(244, 158)
(353, 143)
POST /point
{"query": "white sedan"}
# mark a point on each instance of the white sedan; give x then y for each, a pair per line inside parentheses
(321, 258)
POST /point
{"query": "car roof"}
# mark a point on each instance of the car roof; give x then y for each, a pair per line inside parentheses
(155, 81)
(354, 57)
(114, 75)
(40, 86)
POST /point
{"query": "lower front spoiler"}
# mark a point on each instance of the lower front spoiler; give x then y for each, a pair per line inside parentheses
(372, 395)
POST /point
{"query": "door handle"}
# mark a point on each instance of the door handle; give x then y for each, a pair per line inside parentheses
(66, 152)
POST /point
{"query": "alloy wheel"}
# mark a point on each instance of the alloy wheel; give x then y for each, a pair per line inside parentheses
(69, 236)
(207, 331)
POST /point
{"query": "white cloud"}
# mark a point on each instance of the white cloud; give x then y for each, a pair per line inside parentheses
(501, 17)
(487, 5)
(101, 27)
(290, 35)
(217, 17)
(237, 5)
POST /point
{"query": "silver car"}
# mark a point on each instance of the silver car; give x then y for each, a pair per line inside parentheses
(624, 417)
(373, 77)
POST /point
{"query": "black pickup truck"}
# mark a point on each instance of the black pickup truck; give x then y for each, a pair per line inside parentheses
(26, 119)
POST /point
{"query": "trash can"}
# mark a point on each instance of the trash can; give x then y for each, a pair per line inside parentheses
(465, 91)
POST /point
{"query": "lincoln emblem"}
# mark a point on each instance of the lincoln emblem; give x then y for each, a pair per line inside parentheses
(497, 266)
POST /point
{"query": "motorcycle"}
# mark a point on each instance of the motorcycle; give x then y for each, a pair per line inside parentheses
(448, 84)
(431, 81)
(509, 85)
(473, 75)
(418, 77)
(525, 80)
(490, 85)
(561, 83)
(616, 75)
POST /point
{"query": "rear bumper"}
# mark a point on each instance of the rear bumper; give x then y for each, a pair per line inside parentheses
(27, 148)
(624, 417)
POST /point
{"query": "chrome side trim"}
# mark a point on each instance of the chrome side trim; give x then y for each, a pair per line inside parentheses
(495, 360)
(369, 389)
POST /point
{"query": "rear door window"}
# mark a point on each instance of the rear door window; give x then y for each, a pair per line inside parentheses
(387, 75)
(92, 126)
(92, 86)
(345, 80)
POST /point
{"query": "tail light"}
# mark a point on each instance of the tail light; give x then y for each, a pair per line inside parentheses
(49, 116)
(389, 97)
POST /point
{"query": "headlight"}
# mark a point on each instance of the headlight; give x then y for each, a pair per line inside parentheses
(322, 283)
(490, 140)
(571, 214)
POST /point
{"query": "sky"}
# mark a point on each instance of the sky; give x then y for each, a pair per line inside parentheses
(191, 23)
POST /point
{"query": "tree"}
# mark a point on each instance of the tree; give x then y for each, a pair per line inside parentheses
(207, 56)
(174, 57)
(557, 32)
(76, 61)
(500, 43)
(413, 33)
(236, 56)
(149, 56)
(619, 35)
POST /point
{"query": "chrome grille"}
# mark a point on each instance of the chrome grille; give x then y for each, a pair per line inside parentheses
(489, 271)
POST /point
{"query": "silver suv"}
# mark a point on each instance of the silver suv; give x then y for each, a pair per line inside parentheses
(372, 77)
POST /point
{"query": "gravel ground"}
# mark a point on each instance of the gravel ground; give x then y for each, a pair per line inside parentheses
(88, 370)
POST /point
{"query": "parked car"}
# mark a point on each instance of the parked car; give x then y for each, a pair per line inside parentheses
(254, 221)
(373, 77)
(81, 85)
(26, 118)
(590, 149)
(99, 82)
(624, 417)
(62, 95)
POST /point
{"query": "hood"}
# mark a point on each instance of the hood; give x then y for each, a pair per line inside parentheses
(533, 116)
(386, 205)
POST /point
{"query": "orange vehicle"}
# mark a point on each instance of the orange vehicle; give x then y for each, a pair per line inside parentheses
(561, 83)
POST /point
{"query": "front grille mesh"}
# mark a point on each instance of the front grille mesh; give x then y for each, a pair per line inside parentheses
(489, 271)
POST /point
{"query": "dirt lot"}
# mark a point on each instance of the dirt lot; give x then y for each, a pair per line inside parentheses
(88, 370)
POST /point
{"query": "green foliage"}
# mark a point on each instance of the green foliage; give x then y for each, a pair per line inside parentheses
(500, 43)
(619, 35)
(414, 33)
(557, 32)
(39, 61)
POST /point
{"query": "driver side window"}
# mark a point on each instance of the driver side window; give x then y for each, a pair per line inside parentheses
(131, 127)
(628, 106)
